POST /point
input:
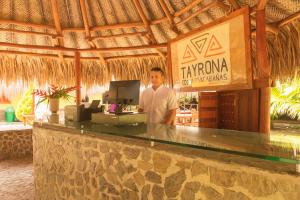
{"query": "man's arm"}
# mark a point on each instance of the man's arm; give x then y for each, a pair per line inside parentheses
(170, 118)
(172, 106)
(140, 110)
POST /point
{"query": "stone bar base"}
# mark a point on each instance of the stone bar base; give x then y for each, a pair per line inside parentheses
(15, 144)
(73, 166)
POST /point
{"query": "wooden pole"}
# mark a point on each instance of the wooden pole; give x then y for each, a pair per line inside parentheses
(82, 58)
(201, 10)
(142, 15)
(78, 77)
(264, 71)
(289, 19)
(187, 8)
(117, 26)
(58, 27)
(169, 67)
(27, 24)
(118, 35)
(101, 50)
(169, 16)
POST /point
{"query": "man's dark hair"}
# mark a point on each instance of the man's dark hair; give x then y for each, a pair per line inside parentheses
(158, 69)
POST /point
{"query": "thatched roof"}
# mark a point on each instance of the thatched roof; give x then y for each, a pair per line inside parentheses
(101, 25)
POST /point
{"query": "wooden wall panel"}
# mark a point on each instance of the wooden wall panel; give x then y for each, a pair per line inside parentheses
(248, 110)
(238, 110)
(208, 108)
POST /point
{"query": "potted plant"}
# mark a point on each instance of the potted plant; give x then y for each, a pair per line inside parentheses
(52, 96)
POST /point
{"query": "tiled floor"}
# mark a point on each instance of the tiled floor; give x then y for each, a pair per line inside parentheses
(16, 180)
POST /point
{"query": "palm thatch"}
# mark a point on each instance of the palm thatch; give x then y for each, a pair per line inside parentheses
(50, 70)
(283, 52)
(101, 20)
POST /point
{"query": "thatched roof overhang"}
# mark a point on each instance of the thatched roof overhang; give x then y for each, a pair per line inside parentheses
(126, 32)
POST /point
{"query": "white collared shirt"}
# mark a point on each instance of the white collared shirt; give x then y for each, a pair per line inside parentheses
(157, 103)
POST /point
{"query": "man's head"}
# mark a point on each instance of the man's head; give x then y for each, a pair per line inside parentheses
(157, 76)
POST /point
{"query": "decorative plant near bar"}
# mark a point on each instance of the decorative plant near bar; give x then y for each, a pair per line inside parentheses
(53, 94)
(285, 101)
(24, 106)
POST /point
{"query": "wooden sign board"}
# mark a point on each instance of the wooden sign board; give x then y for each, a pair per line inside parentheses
(216, 56)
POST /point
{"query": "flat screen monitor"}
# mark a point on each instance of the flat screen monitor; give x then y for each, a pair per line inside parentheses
(124, 92)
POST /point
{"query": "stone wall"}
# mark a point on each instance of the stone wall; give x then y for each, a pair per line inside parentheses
(15, 144)
(73, 166)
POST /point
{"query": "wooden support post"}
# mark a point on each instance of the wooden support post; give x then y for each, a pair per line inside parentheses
(142, 15)
(169, 16)
(169, 67)
(264, 71)
(78, 77)
(58, 28)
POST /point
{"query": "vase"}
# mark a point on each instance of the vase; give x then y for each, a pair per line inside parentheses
(54, 105)
(53, 118)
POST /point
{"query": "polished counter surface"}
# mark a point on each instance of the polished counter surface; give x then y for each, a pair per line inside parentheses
(279, 147)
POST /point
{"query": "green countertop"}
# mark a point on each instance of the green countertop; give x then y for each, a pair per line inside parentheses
(284, 148)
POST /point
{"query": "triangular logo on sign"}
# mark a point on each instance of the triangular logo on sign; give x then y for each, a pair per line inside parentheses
(214, 47)
(188, 55)
(199, 42)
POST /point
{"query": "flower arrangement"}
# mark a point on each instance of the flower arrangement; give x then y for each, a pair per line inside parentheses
(54, 92)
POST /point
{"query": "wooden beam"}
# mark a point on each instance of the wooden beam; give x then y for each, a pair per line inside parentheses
(132, 56)
(289, 19)
(187, 8)
(253, 9)
(120, 49)
(57, 24)
(27, 24)
(29, 32)
(161, 54)
(234, 4)
(65, 49)
(86, 23)
(73, 30)
(158, 21)
(87, 29)
(56, 20)
(166, 10)
(27, 54)
(169, 16)
(78, 77)
(261, 4)
(269, 27)
(201, 10)
(85, 18)
(261, 45)
(223, 6)
(117, 26)
(118, 35)
(37, 47)
(145, 20)
(21, 53)
(169, 66)
(264, 71)
(263, 83)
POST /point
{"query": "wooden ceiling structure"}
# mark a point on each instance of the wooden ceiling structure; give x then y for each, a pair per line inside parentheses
(105, 30)
(56, 32)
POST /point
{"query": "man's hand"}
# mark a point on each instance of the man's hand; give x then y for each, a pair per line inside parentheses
(140, 110)
(170, 118)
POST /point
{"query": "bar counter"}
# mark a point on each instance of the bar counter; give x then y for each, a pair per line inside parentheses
(94, 161)
(15, 141)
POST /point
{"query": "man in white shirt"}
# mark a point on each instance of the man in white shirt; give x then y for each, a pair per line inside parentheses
(158, 101)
